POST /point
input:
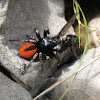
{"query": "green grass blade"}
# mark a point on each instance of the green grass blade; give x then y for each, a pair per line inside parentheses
(78, 18)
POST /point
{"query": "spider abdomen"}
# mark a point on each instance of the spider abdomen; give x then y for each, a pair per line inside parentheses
(28, 50)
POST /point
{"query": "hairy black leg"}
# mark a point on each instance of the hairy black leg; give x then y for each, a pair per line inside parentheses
(26, 67)
(14, 40)
(32, 37)
(57, 56)
(44, 56)
(40, 56)
(37, 34)
(46, 32)
(41, 60)
(24, 41)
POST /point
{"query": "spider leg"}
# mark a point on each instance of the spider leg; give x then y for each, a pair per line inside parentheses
(23, 40)
(44, 57)
(34, 57)
(56, 55)
(32, 37)
(37, 34)
(40, 56)
(14, 40)
(46, 32)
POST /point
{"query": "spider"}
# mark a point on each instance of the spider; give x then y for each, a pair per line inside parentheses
(43, 46)
(47, 46)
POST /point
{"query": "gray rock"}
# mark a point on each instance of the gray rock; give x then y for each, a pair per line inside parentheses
(9, 90)
(86, 85)
(22, 18)
(3, 10)
(94, 31)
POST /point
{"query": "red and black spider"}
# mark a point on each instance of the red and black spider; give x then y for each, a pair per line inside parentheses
(44, 45)
(47, 46)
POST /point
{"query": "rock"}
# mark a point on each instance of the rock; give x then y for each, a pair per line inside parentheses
(94, 31)
(86, 85)
(3, 10)
(46, 85)
(9, 90)
(22, 18)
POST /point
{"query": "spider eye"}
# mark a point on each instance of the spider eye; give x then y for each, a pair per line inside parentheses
(44, 42)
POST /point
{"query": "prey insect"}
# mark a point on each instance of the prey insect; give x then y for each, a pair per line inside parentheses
(47, 46)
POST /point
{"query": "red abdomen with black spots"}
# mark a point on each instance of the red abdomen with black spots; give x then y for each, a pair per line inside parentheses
(28, 50)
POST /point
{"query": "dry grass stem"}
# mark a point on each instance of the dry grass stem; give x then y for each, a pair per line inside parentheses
(58, 83)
